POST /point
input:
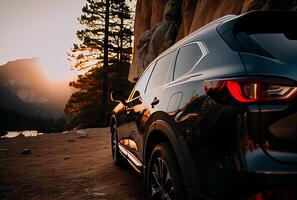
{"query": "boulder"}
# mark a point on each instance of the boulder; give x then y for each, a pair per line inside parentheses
(26, 151)
(82, 133)
(157, 39)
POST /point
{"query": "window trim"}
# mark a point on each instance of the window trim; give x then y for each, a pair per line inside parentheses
(204, 52)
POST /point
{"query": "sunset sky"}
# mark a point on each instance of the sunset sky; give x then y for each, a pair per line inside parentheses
(40, 28)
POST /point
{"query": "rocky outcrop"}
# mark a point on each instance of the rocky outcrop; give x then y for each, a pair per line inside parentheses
(160, 23)
(158, 34)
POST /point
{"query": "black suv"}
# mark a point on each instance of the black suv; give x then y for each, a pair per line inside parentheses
(215, 115)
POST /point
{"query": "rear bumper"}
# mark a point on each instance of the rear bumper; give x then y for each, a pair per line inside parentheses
(250, 186)
(247, 186)
(230, 162)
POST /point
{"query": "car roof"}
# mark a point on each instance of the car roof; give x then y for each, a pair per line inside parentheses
(206, 28)
(228, 22)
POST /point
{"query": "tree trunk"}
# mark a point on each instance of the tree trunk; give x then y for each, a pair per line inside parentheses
(105, 58)
(122, 34)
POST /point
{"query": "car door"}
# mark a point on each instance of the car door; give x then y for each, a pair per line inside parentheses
(145, 102)
(130, 114)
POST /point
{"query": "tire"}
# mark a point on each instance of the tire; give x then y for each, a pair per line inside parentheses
(163, 164)
(118, 159)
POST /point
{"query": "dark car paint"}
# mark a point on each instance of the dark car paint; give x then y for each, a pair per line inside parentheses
(223, 150)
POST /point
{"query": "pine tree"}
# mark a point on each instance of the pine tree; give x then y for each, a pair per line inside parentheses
(104, 54)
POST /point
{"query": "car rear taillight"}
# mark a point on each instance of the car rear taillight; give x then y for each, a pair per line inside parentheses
(246, 90)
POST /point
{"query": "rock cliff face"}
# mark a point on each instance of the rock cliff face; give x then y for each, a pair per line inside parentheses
(160, 23)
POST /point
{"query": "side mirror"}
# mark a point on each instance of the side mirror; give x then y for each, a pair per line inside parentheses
(118, 96)
(135, 102)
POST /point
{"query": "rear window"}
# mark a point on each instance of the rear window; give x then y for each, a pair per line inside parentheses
(274, 45)
(278, 45)
(268, 33)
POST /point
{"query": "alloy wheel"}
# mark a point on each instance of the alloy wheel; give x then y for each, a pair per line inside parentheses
(161, 181)
(114, 144)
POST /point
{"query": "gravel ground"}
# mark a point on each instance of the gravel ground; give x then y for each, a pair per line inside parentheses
(64, 166)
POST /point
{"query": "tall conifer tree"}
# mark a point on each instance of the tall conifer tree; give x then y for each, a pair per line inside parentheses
(104, 55)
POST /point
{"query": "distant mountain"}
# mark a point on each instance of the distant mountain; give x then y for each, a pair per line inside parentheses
(25, 89)
(10, 101)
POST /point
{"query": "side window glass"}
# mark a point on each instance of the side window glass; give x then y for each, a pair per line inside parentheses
(141, 83)
(187, 57)
(160, 73)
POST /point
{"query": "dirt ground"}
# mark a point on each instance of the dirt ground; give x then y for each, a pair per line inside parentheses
(64, 166)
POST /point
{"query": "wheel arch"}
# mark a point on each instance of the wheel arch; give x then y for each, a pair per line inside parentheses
(160, 131)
